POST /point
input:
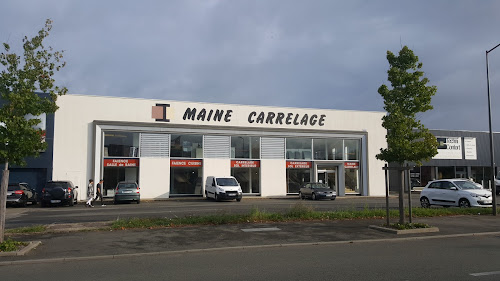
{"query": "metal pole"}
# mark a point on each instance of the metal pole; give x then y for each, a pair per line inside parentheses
(401, 196)
(493, 185)
(387, 195)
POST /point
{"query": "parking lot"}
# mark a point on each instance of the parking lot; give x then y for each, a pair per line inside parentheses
(35, 215)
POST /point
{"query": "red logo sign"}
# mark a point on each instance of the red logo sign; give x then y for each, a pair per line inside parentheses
(186, 163)
(245, 164)
(121, 162)
(298, 164)
(351, 165)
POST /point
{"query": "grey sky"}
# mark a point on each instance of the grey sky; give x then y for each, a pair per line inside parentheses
(312, 54)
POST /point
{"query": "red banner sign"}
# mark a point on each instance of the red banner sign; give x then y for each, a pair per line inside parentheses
(245, 164)
(117, 162)
(186, 163)
(351, 165)
(298, 164)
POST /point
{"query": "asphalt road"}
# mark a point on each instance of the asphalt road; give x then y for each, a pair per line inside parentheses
(464, 258)
(35, 215)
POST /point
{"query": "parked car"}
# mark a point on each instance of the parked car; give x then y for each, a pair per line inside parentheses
(223, 188)
(316, 190)
(59, 192)
(127, 191)
(20, 194)
(455, 192)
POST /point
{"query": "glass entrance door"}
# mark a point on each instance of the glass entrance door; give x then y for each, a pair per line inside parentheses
(329, 177)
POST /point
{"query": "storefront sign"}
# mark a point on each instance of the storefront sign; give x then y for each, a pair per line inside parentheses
(121, 162)
(351, 165)
(449, 148)
(186, 163)
(298, 165)
(470, 148)
(245, 164)
(205, 115)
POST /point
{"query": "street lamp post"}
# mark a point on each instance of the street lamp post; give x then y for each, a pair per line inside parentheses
(493, 185)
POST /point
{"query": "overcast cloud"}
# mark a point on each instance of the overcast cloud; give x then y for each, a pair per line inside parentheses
(310, 54)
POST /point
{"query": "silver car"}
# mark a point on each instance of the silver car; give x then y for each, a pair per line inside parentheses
(127, 191)
(455, 192)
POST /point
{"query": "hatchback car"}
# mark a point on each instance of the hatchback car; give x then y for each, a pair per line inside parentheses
(127, 191)
(20, 194)
(455, 192)
(316, 190)
(59, 192)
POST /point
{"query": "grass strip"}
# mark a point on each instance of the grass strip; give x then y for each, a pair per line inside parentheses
(298, 212)
(10, 245)
(29, 229)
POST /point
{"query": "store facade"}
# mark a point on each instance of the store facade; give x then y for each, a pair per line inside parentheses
(170, 147)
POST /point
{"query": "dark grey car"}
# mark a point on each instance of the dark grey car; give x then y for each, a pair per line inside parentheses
(127, 191)
(20, 194)
(316, 190)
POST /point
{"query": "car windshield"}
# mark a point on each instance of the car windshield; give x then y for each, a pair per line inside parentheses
(51, 185)
(467, 185)
(227, 182)
(126, 185)
(319, 185)
(13, 187)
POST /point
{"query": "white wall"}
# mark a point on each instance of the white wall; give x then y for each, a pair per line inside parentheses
(154, 177)
(273, 177)
(215, 167)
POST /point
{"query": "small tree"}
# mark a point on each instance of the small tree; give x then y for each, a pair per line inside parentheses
(407, 138)
(20, 79)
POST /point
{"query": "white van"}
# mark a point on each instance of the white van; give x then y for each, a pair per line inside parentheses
(222, 188)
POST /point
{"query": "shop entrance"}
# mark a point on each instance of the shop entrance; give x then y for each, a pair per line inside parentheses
(329, 177)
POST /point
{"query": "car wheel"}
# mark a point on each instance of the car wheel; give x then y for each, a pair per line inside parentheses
(71, 202)
(314, 196)
(301, 197)
(238, 199)
(206, 196)
(24, 203)
(216, 197)
(424, 202)
(138, 201)
(464, 203)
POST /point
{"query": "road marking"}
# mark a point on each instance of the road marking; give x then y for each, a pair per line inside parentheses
(260, 229)
(485, 273)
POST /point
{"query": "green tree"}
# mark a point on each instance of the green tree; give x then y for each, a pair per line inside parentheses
(407, 138)
(20, 80)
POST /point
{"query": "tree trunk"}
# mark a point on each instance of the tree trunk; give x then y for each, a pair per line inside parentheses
(401, 199)
(3, 199)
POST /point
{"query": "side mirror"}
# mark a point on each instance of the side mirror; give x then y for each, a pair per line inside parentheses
(453, 188)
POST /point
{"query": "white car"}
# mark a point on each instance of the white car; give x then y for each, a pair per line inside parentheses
(455, 192)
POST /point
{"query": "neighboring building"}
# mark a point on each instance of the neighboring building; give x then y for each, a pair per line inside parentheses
(461, 154)
(170, 147)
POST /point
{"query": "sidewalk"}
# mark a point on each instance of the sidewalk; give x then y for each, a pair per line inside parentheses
(111, 244)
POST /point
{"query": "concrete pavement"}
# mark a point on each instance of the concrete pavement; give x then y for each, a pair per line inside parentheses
(64, 244)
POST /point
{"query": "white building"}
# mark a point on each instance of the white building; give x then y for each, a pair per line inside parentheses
(170, 147)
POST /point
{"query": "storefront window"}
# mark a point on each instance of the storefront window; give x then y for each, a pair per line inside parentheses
(186, 146)
(352, 180)
(298, 148)
(185, 181)
(245, 147)
(113, 175)
(249, 179)
(121, 144)
(327, 149)
(351, 148)
(295, 178)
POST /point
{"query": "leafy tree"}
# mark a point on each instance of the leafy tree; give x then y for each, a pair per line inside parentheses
(407, 138)
(20, 80)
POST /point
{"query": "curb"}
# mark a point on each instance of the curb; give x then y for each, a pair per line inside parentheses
(327, 243)
(405, 231)
(31, 245)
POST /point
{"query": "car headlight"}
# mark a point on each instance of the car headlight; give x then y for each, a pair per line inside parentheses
(474, 195)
